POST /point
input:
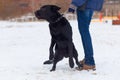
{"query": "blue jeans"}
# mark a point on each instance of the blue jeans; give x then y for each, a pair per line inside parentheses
(84, 19)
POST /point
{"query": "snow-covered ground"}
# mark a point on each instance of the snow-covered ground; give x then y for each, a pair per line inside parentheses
(25, 46)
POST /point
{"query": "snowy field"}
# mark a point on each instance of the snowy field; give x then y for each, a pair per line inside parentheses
(25, 46)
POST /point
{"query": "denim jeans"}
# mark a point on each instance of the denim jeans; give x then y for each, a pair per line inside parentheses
(84, 18)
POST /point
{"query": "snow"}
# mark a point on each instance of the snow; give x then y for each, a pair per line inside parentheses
(25, 46)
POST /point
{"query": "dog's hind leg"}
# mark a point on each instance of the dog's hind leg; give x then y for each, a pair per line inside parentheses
(70, 52)
(57, 58)
(75, 55)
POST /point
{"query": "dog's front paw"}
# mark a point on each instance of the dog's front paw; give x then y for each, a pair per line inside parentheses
(48, 62)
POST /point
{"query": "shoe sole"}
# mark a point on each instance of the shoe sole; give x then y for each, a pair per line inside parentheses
(80, 69)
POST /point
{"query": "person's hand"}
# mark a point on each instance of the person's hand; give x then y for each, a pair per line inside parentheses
(72, 9)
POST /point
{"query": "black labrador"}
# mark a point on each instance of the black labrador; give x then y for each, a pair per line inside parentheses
(61, 36)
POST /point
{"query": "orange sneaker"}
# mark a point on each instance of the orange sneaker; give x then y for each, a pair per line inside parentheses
(86, 67)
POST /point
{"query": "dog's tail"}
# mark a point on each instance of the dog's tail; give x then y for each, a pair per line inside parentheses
(71, 62)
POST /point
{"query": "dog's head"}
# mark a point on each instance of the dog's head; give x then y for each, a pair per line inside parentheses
(48, 12)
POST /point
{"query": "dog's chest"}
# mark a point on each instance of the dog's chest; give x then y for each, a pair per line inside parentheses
(60, 32)
(56, 30)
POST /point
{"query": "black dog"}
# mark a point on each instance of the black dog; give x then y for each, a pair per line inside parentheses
(61, 33)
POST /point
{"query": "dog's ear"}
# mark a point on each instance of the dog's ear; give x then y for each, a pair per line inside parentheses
(55, 8)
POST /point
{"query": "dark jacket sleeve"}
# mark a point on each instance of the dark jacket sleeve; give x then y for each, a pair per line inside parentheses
(95, 4)
(78, 2)
(91, 4)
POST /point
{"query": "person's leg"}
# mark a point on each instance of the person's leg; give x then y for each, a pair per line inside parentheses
(84, 19)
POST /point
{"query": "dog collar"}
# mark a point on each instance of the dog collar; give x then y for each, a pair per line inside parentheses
(58, 19)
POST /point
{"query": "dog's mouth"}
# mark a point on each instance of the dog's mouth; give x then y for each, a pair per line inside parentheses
(39, 17)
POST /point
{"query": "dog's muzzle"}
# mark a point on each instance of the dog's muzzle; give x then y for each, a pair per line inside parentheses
(38, 15)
